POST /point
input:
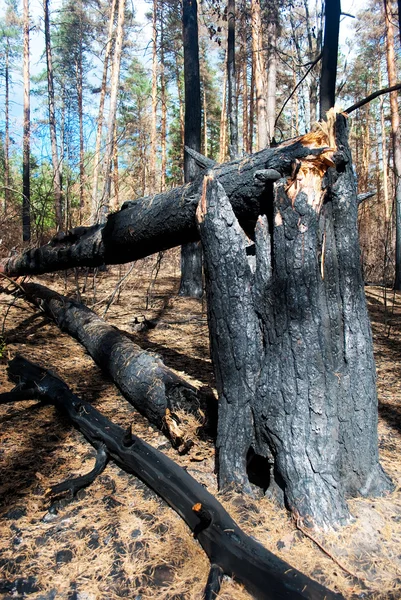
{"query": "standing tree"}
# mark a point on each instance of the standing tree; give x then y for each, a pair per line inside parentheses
(395, 135)
(330, 56)
(26, 177)
(232, 87)
(191, 254)
(58, 202)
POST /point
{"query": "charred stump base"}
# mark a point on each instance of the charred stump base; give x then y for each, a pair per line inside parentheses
(291, 341)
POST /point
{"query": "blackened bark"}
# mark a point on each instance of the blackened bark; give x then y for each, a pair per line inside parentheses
(155, 223)
(228, 547)
(191, 254)
(143, 379)
(294, 329)
(26, 170)
(330, 54)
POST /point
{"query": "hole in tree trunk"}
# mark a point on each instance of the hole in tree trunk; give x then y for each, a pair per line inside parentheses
(258, 469)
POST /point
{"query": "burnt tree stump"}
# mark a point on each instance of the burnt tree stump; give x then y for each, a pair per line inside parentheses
(291, 341)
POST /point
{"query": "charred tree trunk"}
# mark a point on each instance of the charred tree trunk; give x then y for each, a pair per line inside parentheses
(151, 224)
(291, 342)
(230, 550)
(26, 170)
(329, 59)
(191, 254)
(154, 390)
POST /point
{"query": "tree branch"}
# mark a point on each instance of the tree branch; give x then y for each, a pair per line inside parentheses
(371, 97)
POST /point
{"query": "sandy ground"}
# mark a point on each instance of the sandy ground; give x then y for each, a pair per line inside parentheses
(117, 539)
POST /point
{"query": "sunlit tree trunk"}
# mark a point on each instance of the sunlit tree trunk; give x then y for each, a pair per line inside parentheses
(163, 99)
(58, 202)
(396, 137)
(26, 190)
(153, 127)
(259, 75)
(115, 78)
(223, 121)
(271, 75)
(96, 158)
(7, 129)
(231, 76)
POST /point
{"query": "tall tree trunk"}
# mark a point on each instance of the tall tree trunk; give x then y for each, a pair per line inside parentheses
(99, 128)
(58, 202)
(223, 121)
(163, 99)
(244, 75)
(80, 77)
(116, 181)
(115, 79)
(153, 126)
(271, 73)
(205, 131)
(26, 176)
(387, 203)
(232, 87)
(259, 75)
(7, 130)
(396, 137)
(191, 254)
(251, 105)
(330, 54)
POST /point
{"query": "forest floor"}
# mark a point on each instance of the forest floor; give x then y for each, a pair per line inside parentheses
(118, 539)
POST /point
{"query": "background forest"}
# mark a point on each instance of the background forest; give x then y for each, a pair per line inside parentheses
(106, 121)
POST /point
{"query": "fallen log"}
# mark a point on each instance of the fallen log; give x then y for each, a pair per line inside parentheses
(144, 380)
(155, 223)
(229, 549)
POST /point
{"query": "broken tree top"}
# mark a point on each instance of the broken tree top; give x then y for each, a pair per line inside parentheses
(154, 223)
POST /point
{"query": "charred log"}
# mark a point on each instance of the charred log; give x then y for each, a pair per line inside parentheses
(230, 550)
(153, 389)
(291, 341)
(155, 223)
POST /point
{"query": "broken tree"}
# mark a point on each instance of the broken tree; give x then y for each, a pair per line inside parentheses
(229, 549)
(291, 340)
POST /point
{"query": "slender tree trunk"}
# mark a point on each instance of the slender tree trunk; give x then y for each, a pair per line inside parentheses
(244, 73)
(271, 74)
(396, 137)
(7, 130)
(26, 179)
(115, 78)
(387, 203)
(116, 182)
(251, 105)
(96, 158)
(180, 105)
(330, 55)
(232, 87)
(58, 202)
(191, 254)
(259, 75)
(163, 99)
(81, 129)
(205, 132)
(153, 126)
(223, 121)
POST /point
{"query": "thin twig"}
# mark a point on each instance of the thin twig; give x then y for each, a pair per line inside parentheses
(323, 549)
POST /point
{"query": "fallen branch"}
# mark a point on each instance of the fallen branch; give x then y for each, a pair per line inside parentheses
(152, 388)
(238, 555)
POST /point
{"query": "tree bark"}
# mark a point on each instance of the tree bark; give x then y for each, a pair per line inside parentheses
(26, 171)
(99, 128)
(271, 73)
(291, 342)
(329, 59)
(259, 75)
(58, 204)
(114, 82)
(151, 224)
(396, 138)
(227, 546)
(231, 76)
(191, 254)
(153, 389)
(153, 125)
(7, 129)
